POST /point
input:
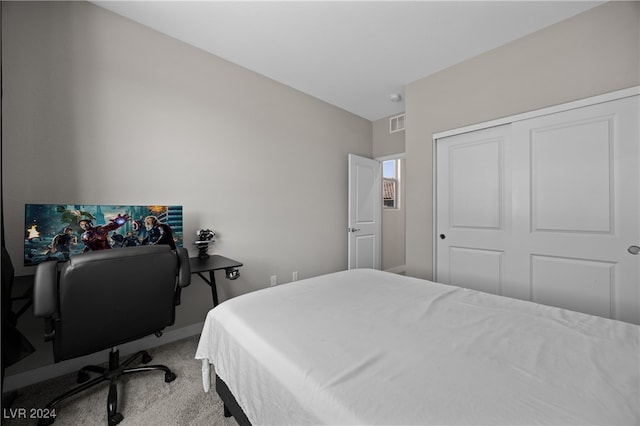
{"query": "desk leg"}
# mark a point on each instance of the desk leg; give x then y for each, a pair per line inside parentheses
(214, 291)
(212, 283)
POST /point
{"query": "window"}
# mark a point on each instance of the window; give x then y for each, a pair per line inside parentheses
(390, 183)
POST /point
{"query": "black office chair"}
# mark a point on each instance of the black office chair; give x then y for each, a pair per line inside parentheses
(102, 299)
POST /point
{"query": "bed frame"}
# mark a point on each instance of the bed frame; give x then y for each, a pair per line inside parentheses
(231, 406)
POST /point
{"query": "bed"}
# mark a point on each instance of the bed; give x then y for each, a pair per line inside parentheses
(365, 347)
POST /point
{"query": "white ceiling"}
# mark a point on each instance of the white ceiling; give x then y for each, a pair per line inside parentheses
(352, 54)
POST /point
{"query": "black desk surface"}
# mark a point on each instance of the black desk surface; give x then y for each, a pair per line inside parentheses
(212, 263)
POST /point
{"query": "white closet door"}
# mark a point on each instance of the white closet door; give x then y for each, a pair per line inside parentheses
(545, 209)
(473, 215)
(580, 213)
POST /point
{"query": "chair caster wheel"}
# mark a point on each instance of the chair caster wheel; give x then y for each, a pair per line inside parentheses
(115, 419)
(169, 377)
(83, 376)
(146, 358)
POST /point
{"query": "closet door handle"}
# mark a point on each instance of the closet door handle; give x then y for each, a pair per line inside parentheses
(633, 249)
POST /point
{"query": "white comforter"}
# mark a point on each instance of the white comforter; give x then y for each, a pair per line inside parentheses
(369, 347)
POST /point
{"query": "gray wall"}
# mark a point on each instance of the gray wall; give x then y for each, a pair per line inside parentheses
(98, 109)
(592, 53)
(385, 143)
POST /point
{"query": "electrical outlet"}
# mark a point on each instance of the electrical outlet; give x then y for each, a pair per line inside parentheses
(294, 276)
(274, 280)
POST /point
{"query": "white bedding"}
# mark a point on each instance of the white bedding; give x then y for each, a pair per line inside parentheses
(369, 347)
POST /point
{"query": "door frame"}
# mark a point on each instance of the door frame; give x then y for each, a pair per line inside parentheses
(593, 100)
(400, 156)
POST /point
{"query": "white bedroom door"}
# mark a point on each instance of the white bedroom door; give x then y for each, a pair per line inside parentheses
(546, 209)
(365, 208)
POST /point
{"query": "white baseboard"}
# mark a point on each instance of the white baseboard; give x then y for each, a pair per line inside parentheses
(47, 372)
(402, 269)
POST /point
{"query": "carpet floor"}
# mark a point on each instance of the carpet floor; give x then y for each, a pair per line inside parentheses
(143, 398)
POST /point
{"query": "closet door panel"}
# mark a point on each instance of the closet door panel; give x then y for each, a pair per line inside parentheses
(477, 268)
(546, 208)
(476, 184)
(473, 178)
(592, 280)
(571, 176)
(581, 212)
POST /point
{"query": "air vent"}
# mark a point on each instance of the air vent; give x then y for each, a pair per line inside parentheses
(396, 124)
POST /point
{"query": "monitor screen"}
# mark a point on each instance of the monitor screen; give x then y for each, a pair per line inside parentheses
(57, 231)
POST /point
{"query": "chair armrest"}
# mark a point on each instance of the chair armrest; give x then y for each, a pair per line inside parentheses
(45, 292)
(184, 270)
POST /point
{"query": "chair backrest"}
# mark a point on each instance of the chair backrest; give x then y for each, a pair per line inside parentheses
(109, 297)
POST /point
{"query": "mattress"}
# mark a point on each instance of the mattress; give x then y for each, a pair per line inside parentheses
(370, 347)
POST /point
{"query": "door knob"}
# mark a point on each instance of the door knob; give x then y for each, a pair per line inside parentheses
(354, 229)
(633, 249)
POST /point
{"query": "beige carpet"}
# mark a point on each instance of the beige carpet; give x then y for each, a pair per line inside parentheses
(143, 398)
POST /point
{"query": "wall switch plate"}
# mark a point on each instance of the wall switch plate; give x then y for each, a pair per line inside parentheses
(294, 276)
(274, 280)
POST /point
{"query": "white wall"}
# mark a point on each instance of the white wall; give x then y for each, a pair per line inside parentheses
(98, 109)
(592, 53)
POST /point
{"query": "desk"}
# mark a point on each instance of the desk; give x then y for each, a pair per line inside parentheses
(211, 264)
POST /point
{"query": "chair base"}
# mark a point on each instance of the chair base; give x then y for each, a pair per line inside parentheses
(111, 374)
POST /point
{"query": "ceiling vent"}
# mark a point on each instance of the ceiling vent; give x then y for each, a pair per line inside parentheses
(396, 124)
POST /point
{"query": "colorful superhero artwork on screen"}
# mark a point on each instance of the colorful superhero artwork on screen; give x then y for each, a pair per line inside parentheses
(57, 231)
